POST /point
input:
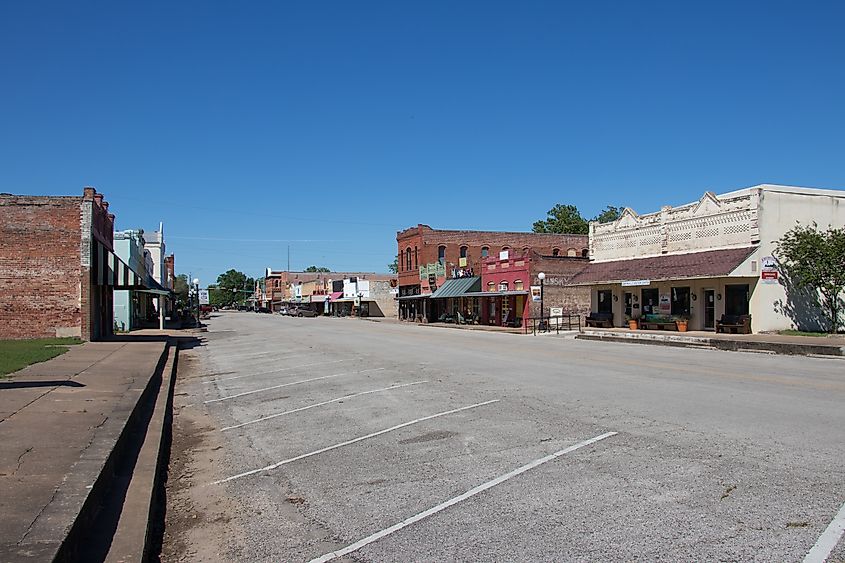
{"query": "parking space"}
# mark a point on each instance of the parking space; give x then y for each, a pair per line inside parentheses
(399, 443)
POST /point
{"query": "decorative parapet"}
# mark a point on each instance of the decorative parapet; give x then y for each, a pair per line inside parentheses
(708, 224)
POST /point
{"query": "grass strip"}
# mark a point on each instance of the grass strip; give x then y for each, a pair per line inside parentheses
(17, 354)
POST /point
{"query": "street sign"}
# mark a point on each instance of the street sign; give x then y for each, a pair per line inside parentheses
(203, 293)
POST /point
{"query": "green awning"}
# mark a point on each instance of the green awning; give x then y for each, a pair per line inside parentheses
(457, 287)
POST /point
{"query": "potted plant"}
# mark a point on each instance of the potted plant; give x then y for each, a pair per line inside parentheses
(632, 322)
(683, 322)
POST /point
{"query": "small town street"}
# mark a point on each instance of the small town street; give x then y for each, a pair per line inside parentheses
(298, 437)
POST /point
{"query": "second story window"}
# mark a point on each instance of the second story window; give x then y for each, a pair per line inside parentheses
(441, 254)
(408, 259)
(555, 252)
(463, 252)
(485, 251)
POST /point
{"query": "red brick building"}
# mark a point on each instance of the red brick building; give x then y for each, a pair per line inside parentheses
(428, 257)
(58, 267)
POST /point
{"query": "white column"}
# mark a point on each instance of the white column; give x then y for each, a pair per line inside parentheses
(161, 312)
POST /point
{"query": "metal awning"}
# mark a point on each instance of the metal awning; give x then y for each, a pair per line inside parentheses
(111, 271)
(493, 293)
(457, 287)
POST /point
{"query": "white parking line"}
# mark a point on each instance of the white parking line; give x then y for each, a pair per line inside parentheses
(263, 418)
(352, 441)
(453, 501)
(274, 371)
(828, 540)
(226, 398)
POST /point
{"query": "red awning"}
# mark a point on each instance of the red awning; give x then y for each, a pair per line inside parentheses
(335, 296)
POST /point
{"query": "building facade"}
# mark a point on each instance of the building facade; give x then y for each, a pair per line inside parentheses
(427, 258)
(709, 258)
(58, 267)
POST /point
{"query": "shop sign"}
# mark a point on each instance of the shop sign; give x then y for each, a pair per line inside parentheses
(769, 276)
(665, 304)
(437, 269)
(635, 283)
(768, 264)
(203, 293)
(535, 293)
(556, 311)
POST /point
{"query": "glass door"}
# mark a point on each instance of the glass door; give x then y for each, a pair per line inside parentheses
(709, 309)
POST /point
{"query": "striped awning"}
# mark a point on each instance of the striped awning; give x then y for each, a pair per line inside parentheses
(111, 271)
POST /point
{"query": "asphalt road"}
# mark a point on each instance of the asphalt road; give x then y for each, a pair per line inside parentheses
(304, 436)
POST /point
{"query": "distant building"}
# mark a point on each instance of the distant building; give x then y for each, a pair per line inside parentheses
(429, 259)
(707, 258)
(58, 267)
(283, 287)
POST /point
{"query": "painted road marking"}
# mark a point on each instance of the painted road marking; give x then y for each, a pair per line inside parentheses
(828, 540)
(226, 398)
(263, 418)
(352, 441)
(274, 371)
(453, 501)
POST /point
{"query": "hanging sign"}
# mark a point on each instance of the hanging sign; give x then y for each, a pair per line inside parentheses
(535, 293)
(203, 293)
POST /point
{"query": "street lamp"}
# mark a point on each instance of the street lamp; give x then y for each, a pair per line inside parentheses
(197, 293)
(541, 276)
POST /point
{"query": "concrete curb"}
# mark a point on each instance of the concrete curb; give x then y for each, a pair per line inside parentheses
(719, 344)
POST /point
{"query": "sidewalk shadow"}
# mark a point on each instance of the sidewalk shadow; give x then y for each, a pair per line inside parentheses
(184, 342)
(31, 384)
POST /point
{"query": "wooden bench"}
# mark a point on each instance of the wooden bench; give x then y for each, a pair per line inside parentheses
(600, 320)
(734, 324)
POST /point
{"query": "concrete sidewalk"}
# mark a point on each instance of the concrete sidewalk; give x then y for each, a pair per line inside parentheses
(773, 343)
(61, 422)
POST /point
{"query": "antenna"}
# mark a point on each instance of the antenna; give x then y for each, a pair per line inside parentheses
(288, 258)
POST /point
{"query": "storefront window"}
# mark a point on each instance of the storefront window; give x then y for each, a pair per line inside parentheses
(736, 299)
(605, 301)
(680, 301)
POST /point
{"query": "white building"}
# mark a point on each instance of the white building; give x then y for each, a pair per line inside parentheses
(711, 257)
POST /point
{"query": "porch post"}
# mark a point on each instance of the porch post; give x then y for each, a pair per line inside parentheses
(161, 312)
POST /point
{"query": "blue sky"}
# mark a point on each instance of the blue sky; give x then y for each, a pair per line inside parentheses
(250, 127)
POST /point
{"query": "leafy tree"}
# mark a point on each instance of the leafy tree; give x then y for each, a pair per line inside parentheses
(231, 287)
(316, 269)
(609, 214)
(180, 288)
(566, 219)
(814, 259)
(394, 267)
(563, 219)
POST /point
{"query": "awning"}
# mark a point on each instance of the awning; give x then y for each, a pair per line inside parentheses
(154, 287)
(335, 296)
(319, 298)
(493, 293)
(407, 297)
(457, 287)
(694, 265)
(111, 271)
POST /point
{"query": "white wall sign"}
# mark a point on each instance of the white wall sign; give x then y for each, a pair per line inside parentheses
(203, 293)
(556, 311)
(635, 283)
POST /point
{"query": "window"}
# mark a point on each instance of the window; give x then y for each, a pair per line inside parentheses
(736, 299)
(463, 252)
(491, 286)
(572, 252)
(680, 301)
(555, 252)
(585, 253)
(416, 257)
(503, 286)
(517, 285)
(505, 248)
(441, 254)
(605, 300)
(485, 251)
(408, 259)
(525, 250)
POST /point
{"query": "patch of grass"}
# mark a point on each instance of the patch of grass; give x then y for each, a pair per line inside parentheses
(17, 354)
(801, 333)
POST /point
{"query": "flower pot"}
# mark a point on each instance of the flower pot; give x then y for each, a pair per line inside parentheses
(682, 326)
(632, 324)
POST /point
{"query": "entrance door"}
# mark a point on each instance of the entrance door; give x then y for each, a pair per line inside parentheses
(629, 298)
(649, 298)
(709, 309)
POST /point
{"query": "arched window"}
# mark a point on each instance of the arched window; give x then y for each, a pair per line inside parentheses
(441, 254)
(572, 252)
(416, 257)
(525, 250)
(503, 286)
(463, 252)
(408, 259)
(491, 286)
(518, 286)
(555, 252)
(485, 251)
(504, 248)
(585, 253)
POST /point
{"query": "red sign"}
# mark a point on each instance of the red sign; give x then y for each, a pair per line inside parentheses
(769, 275)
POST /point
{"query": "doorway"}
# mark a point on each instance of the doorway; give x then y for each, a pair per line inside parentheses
(629, 304)
(709, 309)
(649, 300)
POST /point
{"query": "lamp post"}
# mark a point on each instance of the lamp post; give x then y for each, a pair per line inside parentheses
(541, 276)
(197, 293)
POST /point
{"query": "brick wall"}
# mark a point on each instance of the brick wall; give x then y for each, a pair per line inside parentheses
(40, 267)
(556, 291)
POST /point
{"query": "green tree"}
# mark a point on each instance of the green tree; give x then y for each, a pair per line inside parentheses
(394, 267)
(813, 259)
(609, 214)
(180, 288)
(564, 219)
(231, 287)
(316, 269)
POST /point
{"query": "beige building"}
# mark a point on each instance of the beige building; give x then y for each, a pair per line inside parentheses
(711, 257)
